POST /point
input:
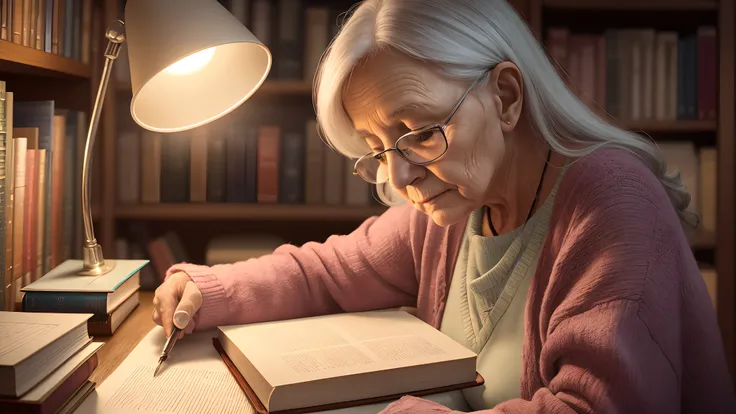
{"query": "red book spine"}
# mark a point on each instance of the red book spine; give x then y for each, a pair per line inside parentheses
(58, 397)
(268, 163)
(707, 73)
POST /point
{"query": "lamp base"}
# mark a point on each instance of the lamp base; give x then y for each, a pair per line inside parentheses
(94, 262)
(97, 269)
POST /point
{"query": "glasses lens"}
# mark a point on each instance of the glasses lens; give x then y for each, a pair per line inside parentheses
(372, 170)
(423, 146)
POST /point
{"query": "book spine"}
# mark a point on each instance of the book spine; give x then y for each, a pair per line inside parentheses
(198, 166)
(68, 33)
(9, 200)
(707, 73)
(236, 165)
(268, 163)
(291, 171)
(3, 154)
(19, 163)
(691, 110)
(289, 49)
(65, 302)
(315, 161)
(70, 182)
(681, 78)
(57, 191)
(612, 76)
(175, 168)
(29, 258)
(216, 170)
(151, 167)
(251, 164)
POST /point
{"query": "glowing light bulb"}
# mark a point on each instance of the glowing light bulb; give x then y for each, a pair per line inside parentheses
(192, 63)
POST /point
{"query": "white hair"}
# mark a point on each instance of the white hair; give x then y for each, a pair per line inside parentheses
(464, 38)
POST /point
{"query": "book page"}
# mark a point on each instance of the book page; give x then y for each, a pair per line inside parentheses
(193, 380)
(26, 333)
(19, 334)
(309, 349)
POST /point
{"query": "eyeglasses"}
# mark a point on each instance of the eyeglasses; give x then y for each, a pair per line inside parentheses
(419, 147)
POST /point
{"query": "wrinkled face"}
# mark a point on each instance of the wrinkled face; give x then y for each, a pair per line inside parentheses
(461, 180)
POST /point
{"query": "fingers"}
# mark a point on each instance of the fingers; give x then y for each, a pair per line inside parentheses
(175, 302)
(164, 303)
(191, 301)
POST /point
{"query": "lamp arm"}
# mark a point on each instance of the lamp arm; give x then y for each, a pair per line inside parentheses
(94, 262)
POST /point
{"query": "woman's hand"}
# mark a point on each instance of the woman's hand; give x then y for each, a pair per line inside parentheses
(177, 293)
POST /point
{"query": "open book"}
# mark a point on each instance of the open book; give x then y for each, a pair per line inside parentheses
(331, 361)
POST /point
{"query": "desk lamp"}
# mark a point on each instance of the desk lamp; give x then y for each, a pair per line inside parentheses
(191, 62)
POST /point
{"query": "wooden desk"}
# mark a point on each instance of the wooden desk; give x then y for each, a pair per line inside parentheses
(129, 334)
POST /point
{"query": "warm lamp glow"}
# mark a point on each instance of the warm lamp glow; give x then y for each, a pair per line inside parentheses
(192, 63)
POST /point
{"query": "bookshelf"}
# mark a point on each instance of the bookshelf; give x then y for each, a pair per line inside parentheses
(713, 248)
(633, 5)
(198, 221)
(50, 61)
(34, 60)
(225, 211)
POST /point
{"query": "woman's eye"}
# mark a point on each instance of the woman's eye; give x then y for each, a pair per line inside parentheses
(381, 158)
(424, 136)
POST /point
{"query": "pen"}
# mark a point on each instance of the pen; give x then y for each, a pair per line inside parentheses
(171, 340)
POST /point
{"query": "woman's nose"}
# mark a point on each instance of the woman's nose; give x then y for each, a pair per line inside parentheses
(402, 173)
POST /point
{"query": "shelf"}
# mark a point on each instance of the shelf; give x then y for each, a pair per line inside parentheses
(237, 211)
(269, 87)
(26, 59)
(655, 5)
(669, 126)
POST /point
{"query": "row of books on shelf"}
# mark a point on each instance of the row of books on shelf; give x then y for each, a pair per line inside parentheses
(41, 148)
(236, 163)
(62, 27)
(698, 169)
(296, 32)
(641, 74)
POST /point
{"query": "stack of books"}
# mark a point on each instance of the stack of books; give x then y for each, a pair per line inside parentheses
(110, 298)
(46, 360)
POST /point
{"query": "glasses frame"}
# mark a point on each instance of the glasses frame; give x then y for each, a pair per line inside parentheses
(441, 127)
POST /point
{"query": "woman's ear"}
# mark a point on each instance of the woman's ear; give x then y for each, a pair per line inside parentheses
(508, 88)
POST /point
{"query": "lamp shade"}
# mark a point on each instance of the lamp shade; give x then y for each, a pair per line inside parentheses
(191, 62)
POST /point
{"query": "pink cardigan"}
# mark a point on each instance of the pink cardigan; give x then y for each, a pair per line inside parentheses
(617, 320)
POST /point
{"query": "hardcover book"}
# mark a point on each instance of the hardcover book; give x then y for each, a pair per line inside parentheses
(334, 361)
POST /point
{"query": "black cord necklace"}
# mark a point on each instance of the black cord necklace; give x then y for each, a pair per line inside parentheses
(536, 196)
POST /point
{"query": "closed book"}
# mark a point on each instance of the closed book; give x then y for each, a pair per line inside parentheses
(236, 164)
(64, 290)
(333, 361)
(216, 167)
(80, 302)
(269, 137)
(51, 394)
(291, 168)
(106, 324)
(35, 345)
(175, 167)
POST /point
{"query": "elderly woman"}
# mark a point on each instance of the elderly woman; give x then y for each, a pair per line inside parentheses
(548, 241)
